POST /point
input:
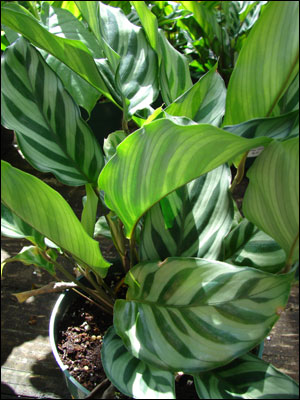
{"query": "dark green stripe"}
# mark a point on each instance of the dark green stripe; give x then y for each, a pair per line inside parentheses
(173, 284)
(16, 82)
(210, 332)
(25, 120)
(170, 336)
(240, 315)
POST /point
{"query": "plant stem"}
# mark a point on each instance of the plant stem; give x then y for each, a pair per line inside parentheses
(90, 292)
(239, 173)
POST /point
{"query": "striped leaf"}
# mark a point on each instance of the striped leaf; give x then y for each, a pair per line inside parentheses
(46, 211)
(290, 100)
(174, 72)
(73, 53)
(272, 198)
(50, 131)
(247, 377)
(131, 376)
(159, 158)
(204, 102)
(193, 315)
(62, 23)
(111, 142)
(280, 128)
(246, 245)
(30, 255)
(14, 227)
(132, 62)
(200, 215)
(267, 64)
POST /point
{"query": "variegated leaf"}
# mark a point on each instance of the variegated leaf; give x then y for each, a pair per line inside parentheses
(46, 211)
(204, 102)
(50, 131)
(247, 377)
(267, 64)
(14, 227)
(132, 376)
(271, 200)
(111, 142)
(279, 128)
(133, 64)
(161, 157)
(246, 245)
(201, 216)
(194, 315)
(73, 53)
(174, 76)
(62, 23)
(30, 255)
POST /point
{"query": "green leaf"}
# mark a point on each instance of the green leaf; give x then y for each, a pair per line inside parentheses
(280, 128)
(206, 19)
(89, 212)
(71, 52)
(45, 210)
(13, 226)
(193, 315)
(201, 216)
(204, 102)
(246, 245)
(159, 158)
(111, 142)
(272, 198)
(62, 23)
(132, 376)
(172, 63)
(132, 62)
(290, 100)
(50, 131)
(30, 255)
(247, 377)
(267, 64)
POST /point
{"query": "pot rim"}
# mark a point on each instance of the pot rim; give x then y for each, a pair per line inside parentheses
(52, 339)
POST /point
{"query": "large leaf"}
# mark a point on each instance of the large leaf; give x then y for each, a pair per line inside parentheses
(132, 376)
(194, 315)
(204, 102)
(45, 210)
(50, 131)
(73, 53)
(272, 198)
(133, 63)
(174, 72)
(246, 245)
(159, 158)
(267, 64)
(201, 216)
(247, 377)
(281, 128)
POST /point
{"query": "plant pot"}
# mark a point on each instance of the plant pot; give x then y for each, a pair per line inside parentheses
(61, 307)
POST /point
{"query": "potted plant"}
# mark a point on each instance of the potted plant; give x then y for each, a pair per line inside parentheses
(205, 284)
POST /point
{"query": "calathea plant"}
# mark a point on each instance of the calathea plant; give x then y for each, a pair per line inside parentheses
(205, 285)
